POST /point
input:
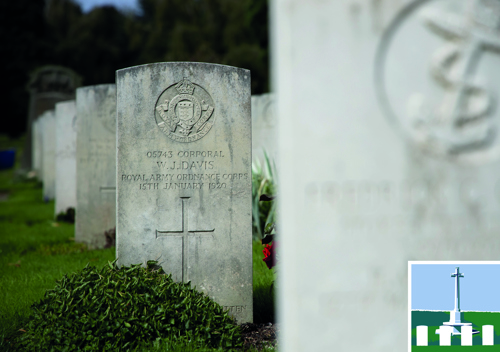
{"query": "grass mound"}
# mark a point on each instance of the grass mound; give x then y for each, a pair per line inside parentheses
(121, 308)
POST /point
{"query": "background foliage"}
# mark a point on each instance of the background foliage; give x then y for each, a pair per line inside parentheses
(263, 182)
(96, 44)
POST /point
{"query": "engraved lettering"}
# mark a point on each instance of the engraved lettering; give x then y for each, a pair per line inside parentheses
(235, 309)
(216, 185)
(148, 186)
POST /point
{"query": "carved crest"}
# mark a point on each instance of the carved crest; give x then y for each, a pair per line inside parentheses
(463, 121)
(184, 111)
(448, 104)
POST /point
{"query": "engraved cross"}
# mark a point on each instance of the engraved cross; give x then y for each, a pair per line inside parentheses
(184, 233)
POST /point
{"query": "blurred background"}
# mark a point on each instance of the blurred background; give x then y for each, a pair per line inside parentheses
(97, 37)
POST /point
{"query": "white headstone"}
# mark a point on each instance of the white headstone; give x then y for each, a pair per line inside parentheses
(49, 154)
(488, 335)
(387, 154)
(96, 163)
(184, 176)
(445, 335)
(37, 147)
(65, 156)
(466, 335)
(422, 335)
(264, 126)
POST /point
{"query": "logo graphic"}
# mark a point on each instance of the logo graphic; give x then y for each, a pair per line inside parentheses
(444, 309)
(184, 111)
(454, 113)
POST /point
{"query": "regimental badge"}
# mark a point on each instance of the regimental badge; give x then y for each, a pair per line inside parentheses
(185, 111)
(448, 104)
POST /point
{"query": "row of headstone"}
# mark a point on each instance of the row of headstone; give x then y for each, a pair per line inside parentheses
(167, 151)
(445, 333)
(74, 154)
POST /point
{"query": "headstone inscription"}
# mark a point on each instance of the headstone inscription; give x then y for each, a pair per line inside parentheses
(65, 191)
(49, 154)
(96, 163)
(48, 85)
(264, 126)
(184, 176)
(401, 167)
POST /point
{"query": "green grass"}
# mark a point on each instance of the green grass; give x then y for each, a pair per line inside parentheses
(35, 251)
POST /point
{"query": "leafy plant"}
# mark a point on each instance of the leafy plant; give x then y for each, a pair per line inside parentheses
(263, 182)
(121, 308)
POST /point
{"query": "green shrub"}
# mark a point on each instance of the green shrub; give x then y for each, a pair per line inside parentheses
(120, 308)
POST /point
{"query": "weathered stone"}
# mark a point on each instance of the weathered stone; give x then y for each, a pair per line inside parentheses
(184, 176)
(264, 126)
(389, 152)
(65, 156)
(96, 163)
(49, 154)
(48, 86)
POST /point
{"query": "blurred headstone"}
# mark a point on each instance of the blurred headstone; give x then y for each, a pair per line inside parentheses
(48, 85)
(96, 163)
(65, 156)
(264, 126)
(389, 152)
(48, 120)
(184, 176)
(37, 147)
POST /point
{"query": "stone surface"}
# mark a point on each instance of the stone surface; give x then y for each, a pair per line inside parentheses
(386, 155)
(37, 147)
(96, 163)
(184, 176)
(48, 86)
(49, 154)
(264, 126)
(65, 156)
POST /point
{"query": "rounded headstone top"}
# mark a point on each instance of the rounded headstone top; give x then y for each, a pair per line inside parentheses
(56, 79)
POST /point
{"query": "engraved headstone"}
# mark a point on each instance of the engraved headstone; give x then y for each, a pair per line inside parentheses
(264, 126)
(184, 176)
(96, 163)
(388, 144)
(48, 123)
(65, 156)
(48, 85)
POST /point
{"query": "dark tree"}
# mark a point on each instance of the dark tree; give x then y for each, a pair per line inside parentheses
(96, 44)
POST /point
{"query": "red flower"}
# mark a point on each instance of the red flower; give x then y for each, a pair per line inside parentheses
(270, 255)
